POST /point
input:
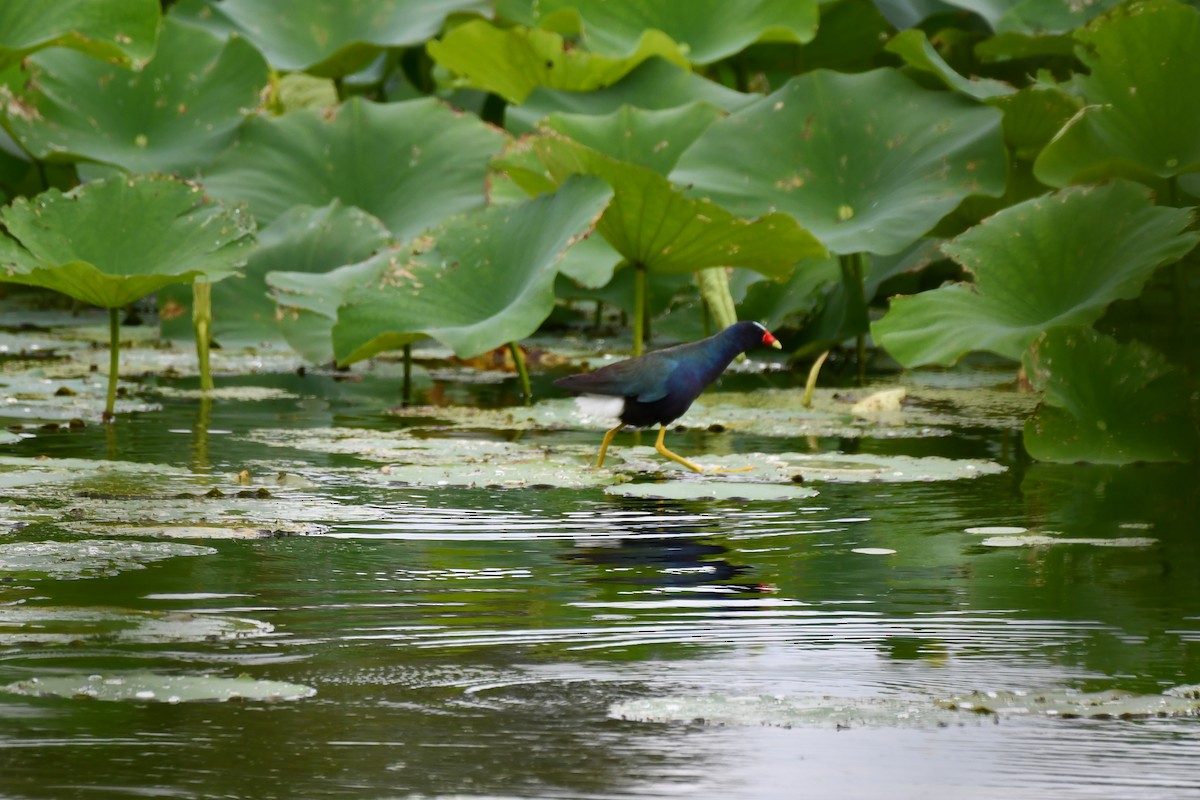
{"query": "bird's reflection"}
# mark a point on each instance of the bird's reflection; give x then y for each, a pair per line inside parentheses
(666, 554)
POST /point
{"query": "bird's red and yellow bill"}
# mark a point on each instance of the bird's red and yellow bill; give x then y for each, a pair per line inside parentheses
(768, 338)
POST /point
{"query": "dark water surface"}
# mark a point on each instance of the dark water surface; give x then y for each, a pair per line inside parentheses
(475, 642)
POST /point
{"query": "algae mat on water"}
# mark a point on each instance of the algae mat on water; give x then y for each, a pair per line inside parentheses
(155, 687)
(815, 711)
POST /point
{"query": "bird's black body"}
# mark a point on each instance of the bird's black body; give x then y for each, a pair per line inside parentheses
(661, 386)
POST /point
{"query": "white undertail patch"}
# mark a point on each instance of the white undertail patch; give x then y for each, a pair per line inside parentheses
(603, 406)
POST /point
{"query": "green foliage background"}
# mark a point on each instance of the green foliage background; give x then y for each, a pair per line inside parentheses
(821, 166)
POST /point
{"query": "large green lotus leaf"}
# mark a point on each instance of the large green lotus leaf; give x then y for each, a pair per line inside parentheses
(913, 46)
(654, 84)
(652, 223)
(708, 30)
(307, 303)
(1035, 17)
(1025, 17)
(773, 304)
(1059, 259)
(652, 139)
(410, 164)
(1142, 118)
(122, 31)
(114, 241)
(172, 116)
(591, 263)
(1032, 117)
(866, 162)
(477, 282)
(512, 62)
(850, 38)
(331, 38)
(1106, 402)
(303, 240)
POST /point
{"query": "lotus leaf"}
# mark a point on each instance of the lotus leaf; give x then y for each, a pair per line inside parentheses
(328, 38)
(1142, 89)
(913, 46)
(153, 687)
(708, 30)
(174, 115)
(867, 162)
(123, 31)
(647, 138)
(307, 303)
(111, 242)
(1059, 259)
(653, 224)
(475, 283)
(411, 164)
(512, 62)
(654, 84)
(1025, 17)
(303, 240)
(1034, 116)
(1106, 402)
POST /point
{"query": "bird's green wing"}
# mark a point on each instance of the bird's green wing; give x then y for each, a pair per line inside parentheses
(644, 379)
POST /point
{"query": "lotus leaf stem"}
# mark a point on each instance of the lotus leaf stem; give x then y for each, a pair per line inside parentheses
(406, 386)
(811, 384)
(114, 362)
(202, 324)
(522, 371)
(639, 309)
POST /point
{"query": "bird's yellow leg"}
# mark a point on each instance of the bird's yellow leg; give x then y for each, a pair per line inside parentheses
(608, 437)
(662, 449)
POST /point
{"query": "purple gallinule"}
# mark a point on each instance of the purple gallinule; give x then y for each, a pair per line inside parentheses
(659, 387)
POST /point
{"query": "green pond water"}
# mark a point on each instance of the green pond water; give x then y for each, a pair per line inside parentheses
(1030, 632)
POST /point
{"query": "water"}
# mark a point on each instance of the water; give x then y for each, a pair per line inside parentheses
(475, 642)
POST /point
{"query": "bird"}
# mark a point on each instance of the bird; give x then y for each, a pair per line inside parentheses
(660, 386)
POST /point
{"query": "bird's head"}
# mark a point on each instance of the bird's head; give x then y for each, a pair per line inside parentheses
(769, 339)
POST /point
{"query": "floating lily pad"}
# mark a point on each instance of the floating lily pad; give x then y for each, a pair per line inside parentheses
(85, 474)
(32, 625)
(34, 395)
(805, 711)
(231, 530)
(718, 487)
(440, 462)
(1041, 540)
(816, 711)
(89, 558)
(153, 687)
(1176, 702)
(243, 394)
(997, 530)
(927, 411)
(543, 474)
(829, 468)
